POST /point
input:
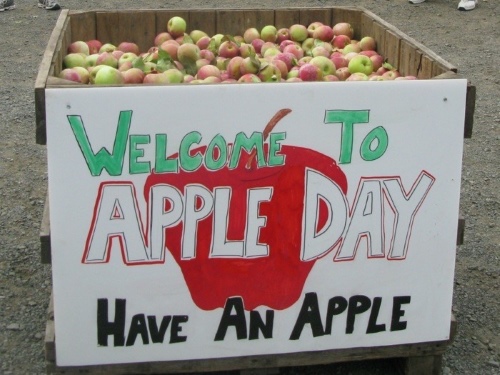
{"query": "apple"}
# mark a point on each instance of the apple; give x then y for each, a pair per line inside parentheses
(74, 59)
(358, 76)
(377, 61)
(70, 74)
(308, 45)
(207, 278)
(339, 60)
(351, 48)
(361, 64)
(282, 35)
(312, 27)
(203, 42)
(298, 33)
(207, 55)
(257, 45)
(326, 65)
(234, 67)
(246, 50)
(288, 58)
(250, 34)
(208, 71)
(196, 35)
(188, 54)
(281, 65)
(391, 75)
(310, 72)
(331, 78)
(368, 43)
(340, 41)
(162, 37)
(228, 49)
(250, 64)
(295, 50)
(128, 47)
(107, 47)
(107, 58)
(221, 63)
(216, 40)
(170, 47)
(266, 46)
(324, 33)
(269, 72)
(285, 43)
(127, 56)
(174, 75)
(108, 75)
(94, 46)
(116, 53)
(176, 26)
(320, 51)
(293, 79)
(133, 75)
(269, 33)
(79, 47)
(342, 73)
(83, 73)
(271, 52)
(343, 28)
(249, 78)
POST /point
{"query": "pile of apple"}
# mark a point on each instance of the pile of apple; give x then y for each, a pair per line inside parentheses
(317, 52)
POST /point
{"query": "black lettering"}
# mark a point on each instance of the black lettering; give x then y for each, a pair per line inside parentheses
(336, 306)
(157, 335)
(256, 325)
(176, 328)
(237, 320)
(138, 327)
(357, 305)
(106, 328)
(397, 313)
(309, 314)
(373, 327)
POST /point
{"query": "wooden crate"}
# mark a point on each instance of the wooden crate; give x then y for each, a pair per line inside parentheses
(141, 26)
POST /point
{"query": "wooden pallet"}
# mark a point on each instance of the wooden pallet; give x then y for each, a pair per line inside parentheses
(409, 359)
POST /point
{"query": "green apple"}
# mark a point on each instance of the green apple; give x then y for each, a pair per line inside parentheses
(176, 26)
(361, 64)
(108, 75)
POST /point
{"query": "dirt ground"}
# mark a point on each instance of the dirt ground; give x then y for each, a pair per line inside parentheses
(468, 40)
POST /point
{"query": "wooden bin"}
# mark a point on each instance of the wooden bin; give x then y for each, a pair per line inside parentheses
(141, 26)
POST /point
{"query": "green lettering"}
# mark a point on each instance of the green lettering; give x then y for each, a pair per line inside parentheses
(135, 153)
(243, 142)
(217, 143)
(113, 163)
(366, 151)
(274, 158)
(162, 164)
(347, 119)
(190, 162)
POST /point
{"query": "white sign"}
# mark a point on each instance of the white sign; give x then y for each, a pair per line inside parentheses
(211, 221)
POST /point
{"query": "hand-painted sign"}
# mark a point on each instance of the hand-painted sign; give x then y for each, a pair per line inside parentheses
(214, 221)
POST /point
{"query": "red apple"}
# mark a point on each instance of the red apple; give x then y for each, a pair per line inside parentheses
(129, 47)
(324, 33)
(310, 72)
(212, 280)
(250, 34)
(229, 49)
(94, 46)
(343, 28)
(133, 76)
(79, 47)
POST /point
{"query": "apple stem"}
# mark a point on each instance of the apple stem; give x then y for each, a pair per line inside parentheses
(268, 129)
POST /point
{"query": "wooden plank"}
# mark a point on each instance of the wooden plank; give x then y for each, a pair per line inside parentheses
(461, 230)
(139, 28)
(204, 20)
(409, 58)
(470, 108)
(350, 15)
(391, 48)
(308, 16)
(50, 333)
(235, 22)
(45, 68)
(378, 34)
(425, 68)
(83, 26)
(45, 234)
(286, 17)
(107, 24)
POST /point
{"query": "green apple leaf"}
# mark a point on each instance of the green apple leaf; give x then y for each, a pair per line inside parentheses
(138, 63)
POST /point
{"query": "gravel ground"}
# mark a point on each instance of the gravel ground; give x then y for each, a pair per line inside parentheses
(469, 40)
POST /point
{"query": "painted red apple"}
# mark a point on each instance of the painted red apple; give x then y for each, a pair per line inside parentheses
(275, 280)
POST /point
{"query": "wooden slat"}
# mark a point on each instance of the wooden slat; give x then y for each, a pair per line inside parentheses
(349, 15)
(391, 48)
(204, 20)
(286, 17)
(46, 256)
(107, 24)
(425, 68)
(44, 70)
(308, 16)
(378, 33)
(139, 28)
(235, 22)
(83, 26)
